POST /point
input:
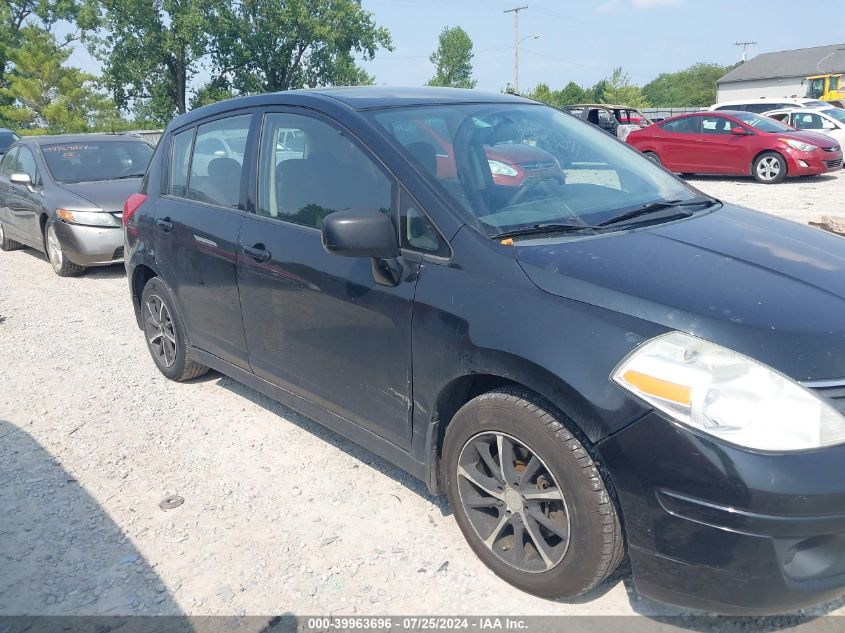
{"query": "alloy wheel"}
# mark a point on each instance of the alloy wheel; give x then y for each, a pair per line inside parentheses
(160, 330)
(513, 502)
(54, 248)
(768, 168)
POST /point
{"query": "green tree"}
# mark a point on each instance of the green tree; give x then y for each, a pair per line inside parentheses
(620, 90)
(571, 94)
(453, 59)
(693, 86)
(42, 93)
(150, 49)
(270, 45)
(542, 93)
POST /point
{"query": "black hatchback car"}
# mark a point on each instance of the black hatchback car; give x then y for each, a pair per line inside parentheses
(602, 362)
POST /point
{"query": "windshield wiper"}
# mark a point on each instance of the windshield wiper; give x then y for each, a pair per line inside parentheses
(549, 227)
(141, 175)
(653, 207)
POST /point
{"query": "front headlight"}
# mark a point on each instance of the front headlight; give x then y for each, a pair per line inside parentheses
(727, 395)
(88, 218)
(801, 146)
(498, 168)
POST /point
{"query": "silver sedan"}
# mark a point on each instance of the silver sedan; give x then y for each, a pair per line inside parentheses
(64, 195)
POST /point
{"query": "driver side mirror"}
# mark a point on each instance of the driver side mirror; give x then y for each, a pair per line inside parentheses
(21, 178)
(360, 234)
(738, 130)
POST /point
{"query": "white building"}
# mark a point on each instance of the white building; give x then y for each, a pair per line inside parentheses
(781, 74)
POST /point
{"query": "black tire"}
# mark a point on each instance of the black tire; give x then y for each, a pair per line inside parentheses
(769, 168)
(594, 546)
(5, 243)
(653, 157)
(169, 344)
(62, 266)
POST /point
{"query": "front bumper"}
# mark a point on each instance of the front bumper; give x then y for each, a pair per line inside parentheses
(89, 245)
(716, 528)
(812, 163)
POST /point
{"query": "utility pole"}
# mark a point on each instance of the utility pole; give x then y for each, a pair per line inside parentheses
(516, 41)
(744, 46)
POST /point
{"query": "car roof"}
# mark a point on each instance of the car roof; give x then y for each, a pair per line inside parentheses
(80, 138)
(355, 98)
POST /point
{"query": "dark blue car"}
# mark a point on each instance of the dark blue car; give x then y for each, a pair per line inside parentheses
(600, 363)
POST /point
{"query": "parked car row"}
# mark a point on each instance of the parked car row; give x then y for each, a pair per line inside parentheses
(599, 364)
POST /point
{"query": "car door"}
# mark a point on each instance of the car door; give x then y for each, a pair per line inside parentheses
(197, 221)
(7, 167)
(720, 151)
(678, 144)
(319, 325)
(24, 201)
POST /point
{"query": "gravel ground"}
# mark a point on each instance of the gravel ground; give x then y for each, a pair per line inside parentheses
(279, 513)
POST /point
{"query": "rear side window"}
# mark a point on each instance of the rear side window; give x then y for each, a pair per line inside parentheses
(180, 160)
(686, 125)
(319, 172)
(760, 108)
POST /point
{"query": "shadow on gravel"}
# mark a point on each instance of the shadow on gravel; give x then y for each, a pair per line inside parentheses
(808, 621)
(60, 553)
(338, 441)
(114, 271)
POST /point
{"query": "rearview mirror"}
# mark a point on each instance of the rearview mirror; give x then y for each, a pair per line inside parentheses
(360, 234)
(738, 131)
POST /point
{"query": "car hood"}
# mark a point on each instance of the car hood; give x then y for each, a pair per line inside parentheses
(816, 138)
(516, 153)
(766, 287)
(109, 195)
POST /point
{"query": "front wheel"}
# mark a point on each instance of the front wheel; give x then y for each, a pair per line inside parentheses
(166, 337)
(769, 168)
(528, 497)
(62, 266)
(654, 158)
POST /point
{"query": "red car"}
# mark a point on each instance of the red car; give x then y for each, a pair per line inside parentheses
(737, 143)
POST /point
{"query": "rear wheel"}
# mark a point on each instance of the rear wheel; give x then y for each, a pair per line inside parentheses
(652, 157)
(769, 168)
(528, 497)
(165, 334)
(5, 243)
(62, 266)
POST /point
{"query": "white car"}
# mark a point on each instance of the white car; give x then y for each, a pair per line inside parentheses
(828, 120)
(769, 103)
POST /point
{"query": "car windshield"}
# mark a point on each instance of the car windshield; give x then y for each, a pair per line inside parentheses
(87, 161)
(6, 139)
(762, 123)
(511, 167)
(835, 113)
(816, 104)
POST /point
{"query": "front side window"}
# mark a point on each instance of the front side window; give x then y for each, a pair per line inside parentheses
(217, 161)
(26, 164)
(317, 173)
(807, 121)
(94, 160)
(516, 166)
(715, 125)
(7, 167)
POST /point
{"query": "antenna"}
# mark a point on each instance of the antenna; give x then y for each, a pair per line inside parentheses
(745, 46)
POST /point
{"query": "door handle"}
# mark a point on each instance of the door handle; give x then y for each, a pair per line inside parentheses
(165, 224)
(257, 252)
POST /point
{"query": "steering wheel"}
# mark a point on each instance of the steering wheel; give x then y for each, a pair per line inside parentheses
(528, 185)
